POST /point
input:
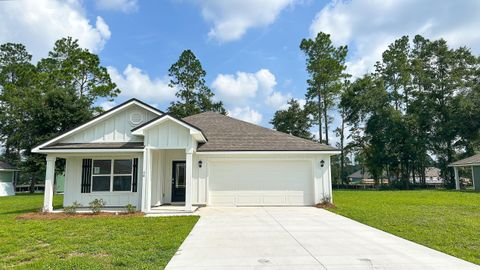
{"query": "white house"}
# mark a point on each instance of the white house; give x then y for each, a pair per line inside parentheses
(136, 154)
(8, 174)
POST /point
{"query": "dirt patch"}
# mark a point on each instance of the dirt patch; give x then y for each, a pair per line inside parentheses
(51, 216)
(325, 205)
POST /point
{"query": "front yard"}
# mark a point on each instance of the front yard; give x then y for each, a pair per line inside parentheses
(125, 242)
(447, 221)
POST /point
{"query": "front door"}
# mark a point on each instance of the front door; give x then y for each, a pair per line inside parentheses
(178, 181)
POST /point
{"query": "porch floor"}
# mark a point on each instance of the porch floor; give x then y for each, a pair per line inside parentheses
(170, 210)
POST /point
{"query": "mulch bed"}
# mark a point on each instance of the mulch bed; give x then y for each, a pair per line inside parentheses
(52, 216)
(325, 205)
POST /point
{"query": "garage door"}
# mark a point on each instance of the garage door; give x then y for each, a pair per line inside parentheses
(250, 183)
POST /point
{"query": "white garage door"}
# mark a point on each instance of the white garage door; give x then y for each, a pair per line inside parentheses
(249, 183)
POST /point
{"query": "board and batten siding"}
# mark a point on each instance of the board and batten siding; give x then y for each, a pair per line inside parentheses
(116, 128)
(168, 135)
(73, 180)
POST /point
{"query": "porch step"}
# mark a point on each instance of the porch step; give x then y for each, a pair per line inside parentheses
(170, 210)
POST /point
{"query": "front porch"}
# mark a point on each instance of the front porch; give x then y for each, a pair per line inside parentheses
(167, 181)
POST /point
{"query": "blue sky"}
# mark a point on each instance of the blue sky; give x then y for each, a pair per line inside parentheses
(249, 48)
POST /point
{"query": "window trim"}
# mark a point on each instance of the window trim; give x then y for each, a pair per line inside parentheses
(111, 175)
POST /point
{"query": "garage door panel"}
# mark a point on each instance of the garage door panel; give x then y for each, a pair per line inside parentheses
(246, 183)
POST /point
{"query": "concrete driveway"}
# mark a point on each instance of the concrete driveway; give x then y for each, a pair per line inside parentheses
(298, 238)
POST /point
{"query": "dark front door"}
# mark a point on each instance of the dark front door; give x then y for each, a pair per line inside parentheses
(178, 181)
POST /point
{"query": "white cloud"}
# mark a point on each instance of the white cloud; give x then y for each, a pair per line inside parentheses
(107, 105)
(368, 26)
(135, 83)
(238, 88)
(125, 6)
(231, 19)
(246, 114)
(278, 100)
(38, 24)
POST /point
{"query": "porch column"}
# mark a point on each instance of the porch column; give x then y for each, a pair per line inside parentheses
(148, 189)
(457, 179)
(49, 179)
(146, 183)
(144, 180)
(188, 179)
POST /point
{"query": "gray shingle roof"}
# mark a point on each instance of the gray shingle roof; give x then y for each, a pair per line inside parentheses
(229, 134)
(475, 159)
(6, 166)
(117, 145)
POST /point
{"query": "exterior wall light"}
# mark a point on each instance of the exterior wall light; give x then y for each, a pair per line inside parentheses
(322, 163)
(200, 163)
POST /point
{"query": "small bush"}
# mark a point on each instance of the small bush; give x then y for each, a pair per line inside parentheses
(130, 208)
(96, 205)
(72, 209)
(325, 203)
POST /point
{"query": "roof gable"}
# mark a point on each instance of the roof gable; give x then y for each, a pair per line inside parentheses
(194, 131)
(225, 133)
(102, 127)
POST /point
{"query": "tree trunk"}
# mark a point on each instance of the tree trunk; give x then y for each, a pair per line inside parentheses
(342, 153)
(319, 117)
(325, 115)
(32, 183)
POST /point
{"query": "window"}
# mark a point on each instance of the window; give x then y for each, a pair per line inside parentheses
(112, 175)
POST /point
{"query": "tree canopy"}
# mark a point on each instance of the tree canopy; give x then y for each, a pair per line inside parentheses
(188, 77)
(326, 66)
(40, 100)
(294, 120)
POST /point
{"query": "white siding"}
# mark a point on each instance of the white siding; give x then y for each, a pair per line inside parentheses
(116, 128)
(168, 135)
(73, 180)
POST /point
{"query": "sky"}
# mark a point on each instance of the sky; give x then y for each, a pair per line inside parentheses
(249, 48)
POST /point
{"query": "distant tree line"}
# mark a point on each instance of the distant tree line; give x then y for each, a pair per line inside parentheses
(419, 108)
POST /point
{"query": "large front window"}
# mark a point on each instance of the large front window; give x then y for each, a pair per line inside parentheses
(112, 175)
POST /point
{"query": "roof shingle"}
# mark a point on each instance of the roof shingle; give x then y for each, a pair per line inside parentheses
(114, 145)
(6, 166)
(229, 134)
(475, 159)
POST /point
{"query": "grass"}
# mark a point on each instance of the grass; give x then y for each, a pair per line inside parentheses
(447, 221)
(120, 242)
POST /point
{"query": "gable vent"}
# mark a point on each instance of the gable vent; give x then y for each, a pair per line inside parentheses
(136, 118)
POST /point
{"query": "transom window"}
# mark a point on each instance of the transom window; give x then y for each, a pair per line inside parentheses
(112, 175)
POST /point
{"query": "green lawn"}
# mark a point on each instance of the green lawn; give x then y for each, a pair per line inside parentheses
(124, 242)
(447, 221)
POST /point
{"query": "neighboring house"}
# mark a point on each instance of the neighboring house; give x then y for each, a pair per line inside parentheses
(60, 182)
(363, 177)
(473, 163)
(136, 154)
(432, 176)
(8, 174)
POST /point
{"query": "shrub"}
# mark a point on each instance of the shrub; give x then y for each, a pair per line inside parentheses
(72, 209)
(130, 208)
(96, 205)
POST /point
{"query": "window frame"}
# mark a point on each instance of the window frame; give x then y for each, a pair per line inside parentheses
(112, 175)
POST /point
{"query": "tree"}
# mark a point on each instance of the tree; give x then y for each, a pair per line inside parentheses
(188, 76)
(326, 66)
(17, 86)
(340, 132)
(422, 101)
(294, 120)
(40, 101)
